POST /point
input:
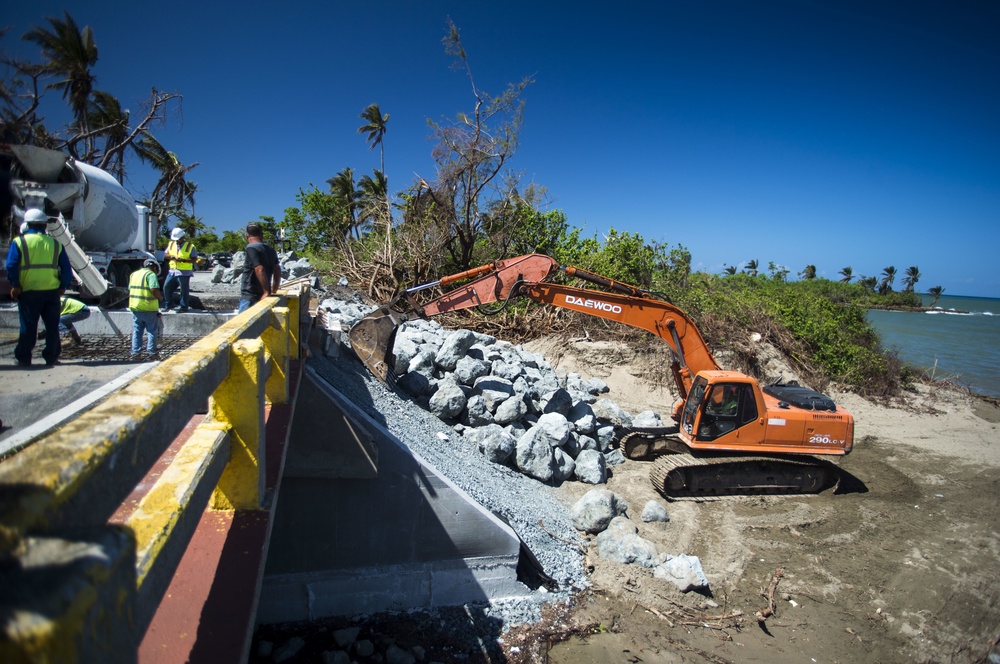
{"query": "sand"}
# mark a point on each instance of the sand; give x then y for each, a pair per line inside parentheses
(899, 563)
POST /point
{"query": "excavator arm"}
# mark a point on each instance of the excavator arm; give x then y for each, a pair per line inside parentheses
(691, 353)
(527, 276)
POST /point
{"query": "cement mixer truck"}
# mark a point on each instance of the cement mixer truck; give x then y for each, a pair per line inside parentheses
(105, 233)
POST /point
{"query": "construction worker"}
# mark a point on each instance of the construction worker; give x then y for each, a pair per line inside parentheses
(73, 311)
(39, 273)
(144, 297)
(182, 255)
(261, 269)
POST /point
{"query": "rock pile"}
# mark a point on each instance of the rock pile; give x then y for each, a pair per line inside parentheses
(292, 267)
(520, 413)
(507, 401)
(604, 513)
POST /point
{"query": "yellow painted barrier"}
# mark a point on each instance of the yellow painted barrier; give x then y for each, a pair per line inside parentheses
(57, 495)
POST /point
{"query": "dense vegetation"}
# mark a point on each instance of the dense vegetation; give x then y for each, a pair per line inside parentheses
(472, 211)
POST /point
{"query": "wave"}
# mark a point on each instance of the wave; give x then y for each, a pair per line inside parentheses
(955, 312)
(945, 312)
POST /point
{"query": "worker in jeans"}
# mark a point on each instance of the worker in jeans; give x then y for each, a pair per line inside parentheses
(144, 297)
(39, 273)
(261, 269)
(73, 311)
(181, 254)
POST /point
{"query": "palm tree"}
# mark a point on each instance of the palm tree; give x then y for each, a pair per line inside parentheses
(936, 291)
(173, 190)
(911, 278)
(888, 278)
(375, 128)
(70, 52)
(729, 270)
(847, 273)
(809, 272)
(868, 283)
(373, 193)
(343, 189)
(751, 267)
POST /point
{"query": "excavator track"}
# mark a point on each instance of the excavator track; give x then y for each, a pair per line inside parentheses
(680, 475)
(649, 443)
(684, 476)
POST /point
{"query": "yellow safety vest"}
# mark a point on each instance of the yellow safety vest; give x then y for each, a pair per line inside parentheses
(180, 256)
(140, 293)
(70, 306)
(39, 262)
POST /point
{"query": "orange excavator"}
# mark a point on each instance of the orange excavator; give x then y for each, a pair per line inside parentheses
(732, 436)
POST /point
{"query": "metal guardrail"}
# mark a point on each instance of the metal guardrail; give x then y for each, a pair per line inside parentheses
(78, 588)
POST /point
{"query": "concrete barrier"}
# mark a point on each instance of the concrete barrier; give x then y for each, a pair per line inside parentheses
(118, 322)
(91, 534)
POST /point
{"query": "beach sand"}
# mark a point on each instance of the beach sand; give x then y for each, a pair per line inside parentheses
(899, 563)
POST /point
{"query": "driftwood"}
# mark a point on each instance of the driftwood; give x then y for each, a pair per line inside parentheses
(690, 617)
(769, 611)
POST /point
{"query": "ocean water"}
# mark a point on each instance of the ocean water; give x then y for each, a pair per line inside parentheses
(959, 340)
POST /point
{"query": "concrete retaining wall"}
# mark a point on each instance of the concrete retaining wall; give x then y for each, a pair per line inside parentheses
(364, 525)
(118, 322)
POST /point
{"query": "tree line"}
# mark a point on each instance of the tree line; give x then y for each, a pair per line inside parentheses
(882, 285)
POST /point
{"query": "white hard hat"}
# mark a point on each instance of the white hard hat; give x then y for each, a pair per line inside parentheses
(152, 265)
(35, 216)
(177, 234)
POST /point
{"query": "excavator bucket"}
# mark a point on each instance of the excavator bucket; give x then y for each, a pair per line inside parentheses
(372, 338)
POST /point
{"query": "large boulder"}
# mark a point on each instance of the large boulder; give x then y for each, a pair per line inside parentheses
(510, 410)
(565, 466)
(621, 543)
(535, 457)
(608, 411)
(494, 390)
(557, 401)
(448, 401)
(595, 510)
(456, 345)
(647, 418)
(475, 413)
(468, 369)
(553, 428)
(582, 417)
(494, 442)
(654, 510)
(683, 571)
(422, 363)
(507, 370)
(415, 384)
(591, 467)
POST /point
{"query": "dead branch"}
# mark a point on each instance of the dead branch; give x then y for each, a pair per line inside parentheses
(766, 613)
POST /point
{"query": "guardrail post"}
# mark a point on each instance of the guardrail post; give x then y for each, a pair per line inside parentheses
(277, 339)
(239, 400)
(294, 304)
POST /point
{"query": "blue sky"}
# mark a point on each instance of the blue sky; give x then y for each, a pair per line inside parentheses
(829, 133)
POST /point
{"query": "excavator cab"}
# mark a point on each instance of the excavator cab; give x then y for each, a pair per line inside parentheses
(715, 409)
